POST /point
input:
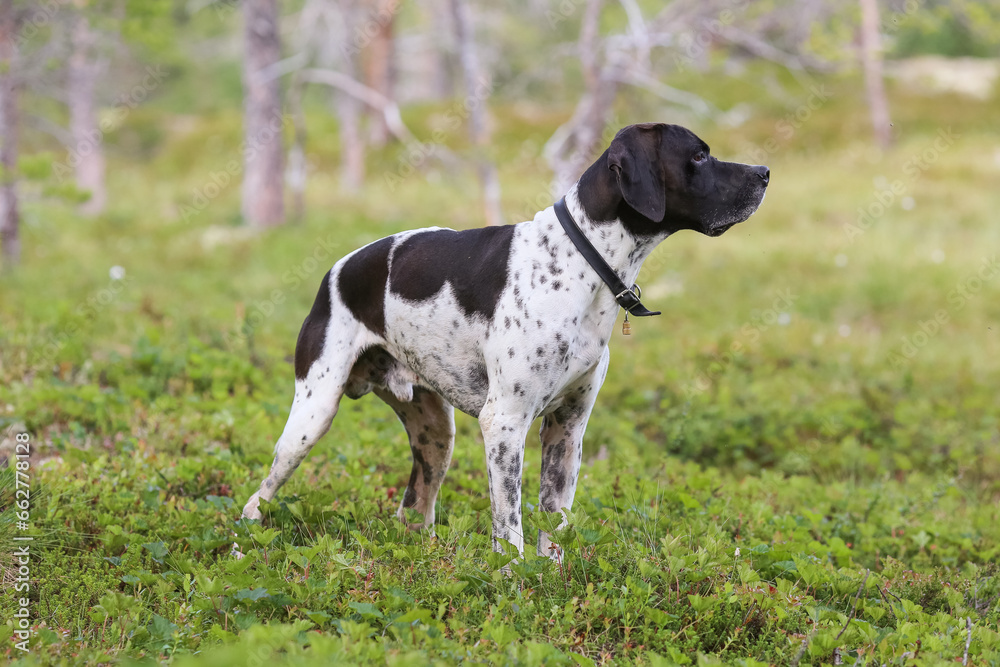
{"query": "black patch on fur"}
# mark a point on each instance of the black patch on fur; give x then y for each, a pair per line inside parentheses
(410, 496)
(312, 335)
(425, 467)
(474, 261)
(362, 284)
(512, 487)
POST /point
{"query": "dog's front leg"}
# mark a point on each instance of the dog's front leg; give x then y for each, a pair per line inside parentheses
(562, 449)
(504, 429)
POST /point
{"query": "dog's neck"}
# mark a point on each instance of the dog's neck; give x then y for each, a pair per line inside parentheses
(623, 250)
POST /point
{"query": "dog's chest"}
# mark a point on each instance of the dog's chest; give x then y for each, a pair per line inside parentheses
(550, 324)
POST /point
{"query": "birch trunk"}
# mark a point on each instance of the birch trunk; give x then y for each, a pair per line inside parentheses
(87, 151)
(10, 242)
(263, 157)
(477, 90)
(349, 108)
(377, 29)
(571, 149)
(871, 60)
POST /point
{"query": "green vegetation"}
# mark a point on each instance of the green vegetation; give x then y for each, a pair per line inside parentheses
(796, 462)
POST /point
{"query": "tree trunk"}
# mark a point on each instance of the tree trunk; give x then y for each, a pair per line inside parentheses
(87, 150)
(263, 184)
(10, 242)
(297, 167)
(477, 90)
(571, 148)
(376, 29)
(600, 95)
(349, 108)
(352, 143)
(871, 60)
(443, 85)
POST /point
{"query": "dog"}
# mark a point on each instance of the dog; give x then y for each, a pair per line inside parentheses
(504, 323)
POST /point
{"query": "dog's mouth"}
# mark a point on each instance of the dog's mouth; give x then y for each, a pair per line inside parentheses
(721, 229)
(750, 203)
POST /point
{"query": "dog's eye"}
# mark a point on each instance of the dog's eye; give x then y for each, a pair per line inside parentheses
(699, 157)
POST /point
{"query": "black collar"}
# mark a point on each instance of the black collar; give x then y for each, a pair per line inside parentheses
(627, 297)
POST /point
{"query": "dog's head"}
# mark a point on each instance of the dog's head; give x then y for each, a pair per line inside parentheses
(659, 178)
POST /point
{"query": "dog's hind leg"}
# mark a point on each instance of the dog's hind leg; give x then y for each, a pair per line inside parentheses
(430, 424)
(327, 348)
(562, 449)
(309, 419)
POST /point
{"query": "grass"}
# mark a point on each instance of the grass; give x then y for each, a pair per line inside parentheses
(793, 464)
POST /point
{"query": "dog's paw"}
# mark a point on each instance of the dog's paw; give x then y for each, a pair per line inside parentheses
(252, 509)
(420, 527)
(426, 524)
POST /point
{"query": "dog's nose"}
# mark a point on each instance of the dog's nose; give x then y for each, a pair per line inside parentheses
(763, 172)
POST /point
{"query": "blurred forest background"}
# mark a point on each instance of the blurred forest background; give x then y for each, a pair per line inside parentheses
(176, 176)
(329, 87)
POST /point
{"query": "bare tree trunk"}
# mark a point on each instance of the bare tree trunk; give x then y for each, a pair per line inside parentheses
(476, 93)
(263, 169)
(87, 151)
(10, 242)
(600, 88)
(352, 143)
(349, 108)
(444, 85)
(377, 28)
(297, 167)
(571, 147)
(871, 60)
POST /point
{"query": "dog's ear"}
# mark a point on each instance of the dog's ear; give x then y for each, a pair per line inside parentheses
(634, 157)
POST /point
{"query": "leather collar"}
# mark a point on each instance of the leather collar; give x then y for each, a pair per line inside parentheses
(627, 297)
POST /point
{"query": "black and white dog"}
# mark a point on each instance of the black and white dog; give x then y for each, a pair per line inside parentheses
(505, 323)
